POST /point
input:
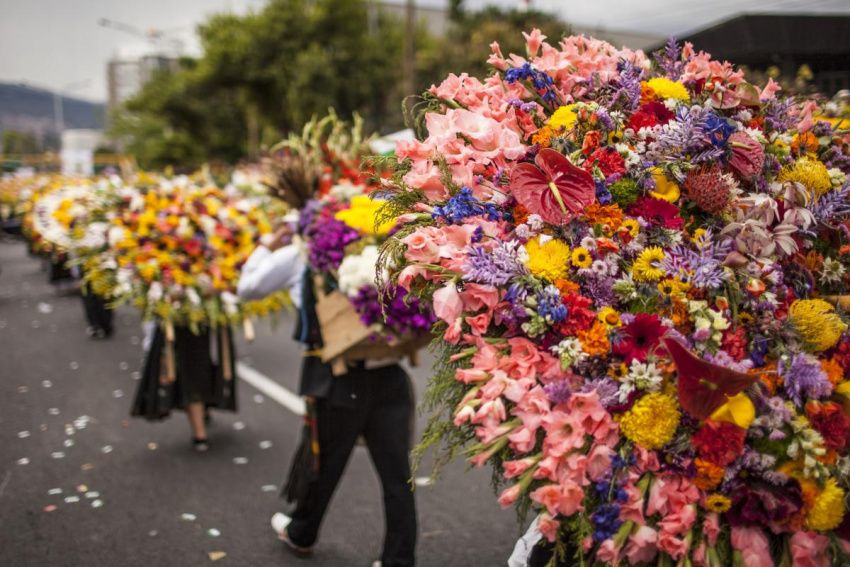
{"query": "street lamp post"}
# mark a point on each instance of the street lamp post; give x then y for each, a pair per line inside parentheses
(58, 107)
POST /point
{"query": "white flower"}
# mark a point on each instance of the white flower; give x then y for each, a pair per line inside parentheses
(358, 270)
(193, 296)
(155, 292)
(346, 190)
(641, 376)
(230, 303)
(535, 221)
(832, 271)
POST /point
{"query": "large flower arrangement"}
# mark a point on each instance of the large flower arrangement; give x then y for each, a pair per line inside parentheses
(174, 249)
(638, 266)
(59, 207)
(340, 230)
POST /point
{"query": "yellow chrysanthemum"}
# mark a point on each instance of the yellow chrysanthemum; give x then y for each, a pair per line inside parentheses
(652, 421)
(717, 503)
(550, 261)
(646, 267)
(809, 172)
(581, 257)
(816, 322)
(362, 215)
(665, 88)
(828, 509)
(564, 118)
(543, 137)
(664, 188)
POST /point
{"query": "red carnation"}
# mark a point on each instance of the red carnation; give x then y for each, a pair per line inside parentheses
(608, 160)
(735, 343)
(831, 422)
(579, 317)
(639, 337)
(649, 115)
(842, 357)
(719, 442)
(657, 212)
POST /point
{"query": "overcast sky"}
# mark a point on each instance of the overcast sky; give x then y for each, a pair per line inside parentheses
(56, 44)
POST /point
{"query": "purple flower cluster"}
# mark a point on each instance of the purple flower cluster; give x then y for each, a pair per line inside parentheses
(328, 238)
(403, 315)
(495, 268)
(804, 376)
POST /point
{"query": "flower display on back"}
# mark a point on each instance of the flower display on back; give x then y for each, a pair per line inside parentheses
(639, 270)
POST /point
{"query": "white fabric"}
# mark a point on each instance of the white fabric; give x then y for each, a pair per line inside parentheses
(523, 547)
(266, 272)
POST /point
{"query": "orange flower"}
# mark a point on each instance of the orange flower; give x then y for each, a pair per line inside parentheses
(611, 215)
(543, 137)
(647, 95)
(566, 286)
(520, 214)
(591, 142)
(606, 245)
(708, 475)
(768, 377)
(804, 142)
(595, 340)
(833, 371)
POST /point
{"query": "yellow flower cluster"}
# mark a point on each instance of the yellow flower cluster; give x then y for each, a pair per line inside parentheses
(817, 323)
(363, 216)
(563, 119)
(665, 88)
(646, 267)
(717, 503)
(810, 173)
(550, 261)
(652, 421)
(828, 509)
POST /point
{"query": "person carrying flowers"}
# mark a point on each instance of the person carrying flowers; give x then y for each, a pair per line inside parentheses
(334, 255)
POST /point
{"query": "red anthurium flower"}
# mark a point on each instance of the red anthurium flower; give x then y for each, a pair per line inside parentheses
(555, 189)
(703, 386)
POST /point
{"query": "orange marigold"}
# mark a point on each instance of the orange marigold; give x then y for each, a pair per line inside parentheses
(833, 371)
(520, 214)
(768, 377)
(708, 475)
(595, 339)
(647, 95)
(543, 137)
(612, 215)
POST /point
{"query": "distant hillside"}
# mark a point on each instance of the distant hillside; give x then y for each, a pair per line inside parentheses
(29, 109)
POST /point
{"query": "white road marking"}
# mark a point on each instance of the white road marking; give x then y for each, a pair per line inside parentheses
(270, 388)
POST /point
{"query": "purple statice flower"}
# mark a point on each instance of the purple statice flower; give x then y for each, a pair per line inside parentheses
(495, 268)
(328, 238)
(758, 350)
(558, 392)
(606, 388)
(804, 377)
(777, 114)
(688, 137)
(702, 267)
(605, 118)
(549, 305)
(722, 358)
(305, 217)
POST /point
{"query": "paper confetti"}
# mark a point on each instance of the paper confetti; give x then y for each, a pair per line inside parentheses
(68, 442)
(92, 494)
(87, 467)
(212, 532)
(72, 499)
(58, 455)
(117, 393)
(36, 324)
(240, 461)
(258, 398)
(74, 365)
(268, 488)
(265, 444)
(82, 488)
(50, 508)
(23, 434)
(97, 504)
(124, 366)
(23, 461)
(46, 384)
(44, 307)
(53, 411)
(23, 389)
(106, 449)
(152, 446)
(216, 555)
(188, 517)
(54, 491)
(239, 425)
(423, 481)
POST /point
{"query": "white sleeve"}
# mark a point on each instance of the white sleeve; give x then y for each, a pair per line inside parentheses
(266, 272)
(523, 547)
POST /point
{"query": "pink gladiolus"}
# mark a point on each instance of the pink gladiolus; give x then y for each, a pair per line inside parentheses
(598, 461)
(533, 42)
(423, 245)
(477, 296)
(463, 415)
(711, 527)
(565, 499)
(447, 303)
(522, 440)
(480, 323)
(452, 334)
(509, 495)
(753, 546)
(608, 553)
(532, 408)
(809, 550)
(548, 526)
(515, 468)
(769, 91)
(642, 545)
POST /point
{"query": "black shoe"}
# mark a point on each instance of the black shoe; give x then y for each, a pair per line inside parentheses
(201, 445)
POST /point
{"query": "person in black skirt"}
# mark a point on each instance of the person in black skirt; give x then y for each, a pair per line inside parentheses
(98, 315)
(180, 373)
(370, 402)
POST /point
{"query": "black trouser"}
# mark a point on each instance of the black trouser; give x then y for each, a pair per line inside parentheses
(381, 415)
(97, 314)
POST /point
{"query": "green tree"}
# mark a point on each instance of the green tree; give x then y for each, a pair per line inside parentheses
(16, 143)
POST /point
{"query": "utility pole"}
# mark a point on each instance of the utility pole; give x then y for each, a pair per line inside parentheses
(59, 107)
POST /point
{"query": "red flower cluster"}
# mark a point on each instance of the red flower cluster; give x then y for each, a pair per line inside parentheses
(658, 212)
(607, 159)
(649, 115)
(639, 337)
(842, 357)
(719, 442)
(830, 420)
(735, 343)
(579, 317)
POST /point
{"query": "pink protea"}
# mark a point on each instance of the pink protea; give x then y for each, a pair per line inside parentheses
(709, 189)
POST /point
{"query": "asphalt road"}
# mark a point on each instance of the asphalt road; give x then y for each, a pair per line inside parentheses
(83, 484)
